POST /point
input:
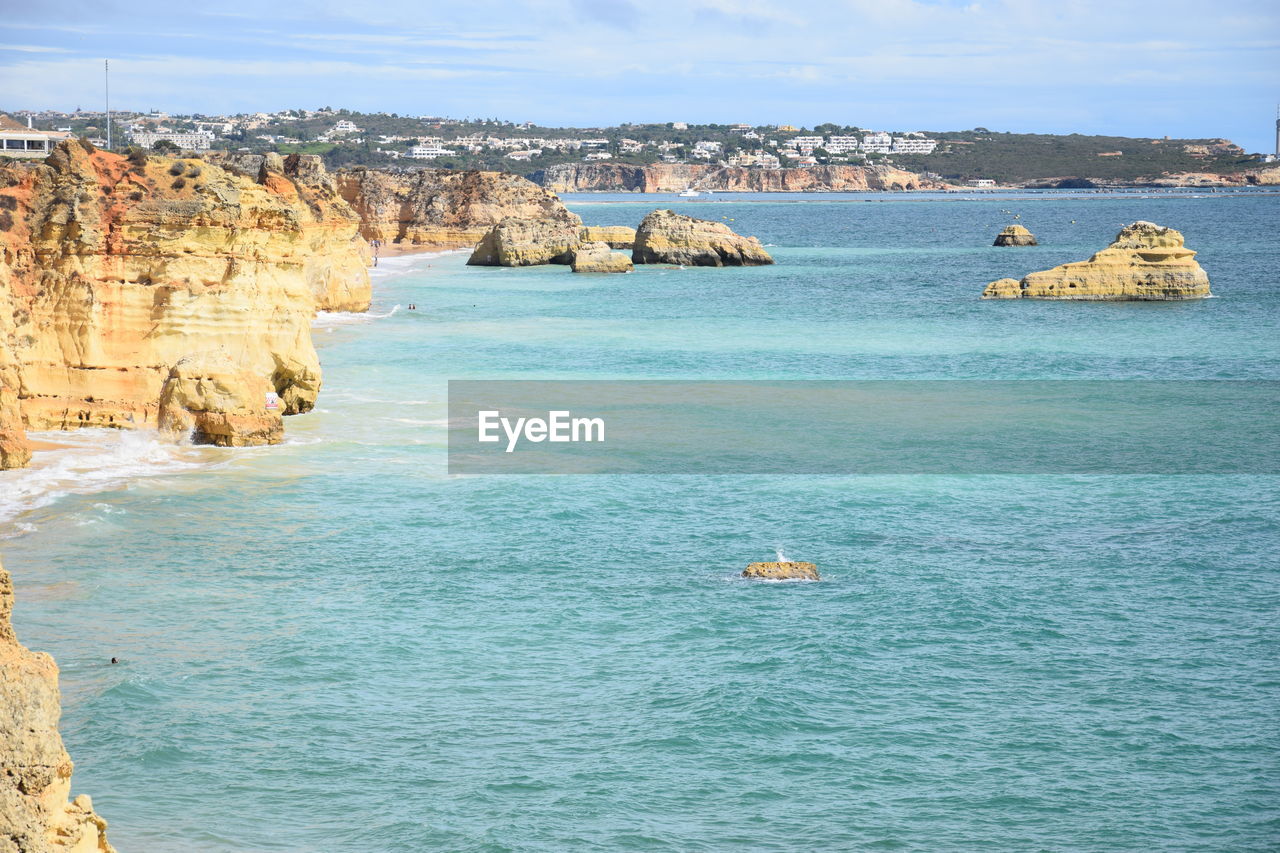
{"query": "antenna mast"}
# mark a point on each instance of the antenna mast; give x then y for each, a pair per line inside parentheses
(106, 74)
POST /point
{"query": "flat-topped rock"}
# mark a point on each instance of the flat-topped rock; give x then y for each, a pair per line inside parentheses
(597, 257)
(665, 237)
(216, 402)
(788, 571)
(528, 242)
(1015, 235)
(615, 236)
(1145, 262)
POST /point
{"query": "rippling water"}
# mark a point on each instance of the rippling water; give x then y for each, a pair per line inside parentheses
(330, 645)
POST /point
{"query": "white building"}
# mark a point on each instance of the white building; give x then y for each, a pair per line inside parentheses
(598, 155)
(194, 140)
(679, 125)
(593, 143)
(344, 126)
(524, 156)
(803, 142)
(25, 142)
(983, 183)
(842, 144)
(429, 152)
(877, 143)
(913, 143)
(763, 161)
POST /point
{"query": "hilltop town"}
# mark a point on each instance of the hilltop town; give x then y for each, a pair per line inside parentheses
(976, 157)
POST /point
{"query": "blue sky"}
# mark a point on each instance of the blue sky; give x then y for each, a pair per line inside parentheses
(1176, 67)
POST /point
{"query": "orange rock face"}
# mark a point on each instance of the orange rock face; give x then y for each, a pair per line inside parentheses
(674, 177)
(113, 269)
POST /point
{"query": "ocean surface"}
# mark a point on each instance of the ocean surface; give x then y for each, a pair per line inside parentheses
(334, 646)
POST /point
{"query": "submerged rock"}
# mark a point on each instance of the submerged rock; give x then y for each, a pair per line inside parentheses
(1145, 262)
(218, 403)
(789, 570)
(615, 236)
(35, 770)
(596, 257)
(528, 242)
(1015, 235)
(665, 237)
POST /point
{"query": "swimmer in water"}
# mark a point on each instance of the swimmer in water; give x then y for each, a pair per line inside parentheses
(115, 660)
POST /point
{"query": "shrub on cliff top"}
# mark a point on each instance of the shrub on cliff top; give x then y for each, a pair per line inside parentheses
(178, 183)
(177, 168)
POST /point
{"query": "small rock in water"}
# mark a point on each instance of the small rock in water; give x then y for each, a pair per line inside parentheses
(1015, 235)
(790, 570)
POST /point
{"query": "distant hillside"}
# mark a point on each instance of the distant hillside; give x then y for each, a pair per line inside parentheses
(1016, 158)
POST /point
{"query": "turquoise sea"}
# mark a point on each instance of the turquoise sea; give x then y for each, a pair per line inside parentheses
(334, 646)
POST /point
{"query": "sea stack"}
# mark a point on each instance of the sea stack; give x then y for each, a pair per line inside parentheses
(1145, 262)
(35, 770)
(782, 571)
(529, 242)
(1015, 235)
(665, 237)
(615, 236)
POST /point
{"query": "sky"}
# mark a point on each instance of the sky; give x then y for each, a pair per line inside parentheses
(1182, 68)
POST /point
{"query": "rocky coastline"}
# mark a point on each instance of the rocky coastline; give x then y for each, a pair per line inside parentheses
(675, 177)
(36, 812)
(147, 291)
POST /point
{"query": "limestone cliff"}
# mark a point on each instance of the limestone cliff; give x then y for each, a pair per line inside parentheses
(1145, 262)
(670, 238)
(614, 236)
(674, 177)
(439, 208)
(35, 770)
(113, 269)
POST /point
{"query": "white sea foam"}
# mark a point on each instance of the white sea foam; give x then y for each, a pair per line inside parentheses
(329, 319)
(90, 461)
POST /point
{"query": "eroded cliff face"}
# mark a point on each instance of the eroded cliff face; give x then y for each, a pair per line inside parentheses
(35, 770)
(441, 209)
(674, 177)
(114, 269)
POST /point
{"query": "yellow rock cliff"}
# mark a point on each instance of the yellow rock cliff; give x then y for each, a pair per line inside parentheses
(35, 770)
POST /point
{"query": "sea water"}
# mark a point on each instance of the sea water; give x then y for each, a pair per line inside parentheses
(331, 645)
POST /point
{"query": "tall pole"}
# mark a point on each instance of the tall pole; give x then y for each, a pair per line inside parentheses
(106, 74)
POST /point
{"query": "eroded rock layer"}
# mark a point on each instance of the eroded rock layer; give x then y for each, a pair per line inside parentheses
(598, 257)
(1145, 262)
(212, 400)
(675, 177)
(439, 208)
(113, 269)
(35, 770)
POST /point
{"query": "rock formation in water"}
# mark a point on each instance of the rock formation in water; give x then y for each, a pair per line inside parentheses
(671, 238)
(1145, 262)
(35, 770)
(529, 242)
(674, 177)
(597, 257)
(1015, 235)
(614, 236)
(782, 571)
(210, 398)
(439, 208)
(114, 269)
